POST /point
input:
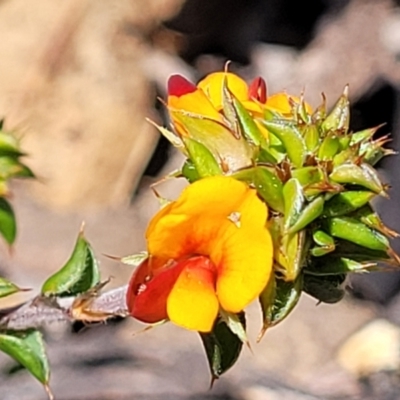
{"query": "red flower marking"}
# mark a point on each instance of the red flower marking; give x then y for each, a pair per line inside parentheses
(179, 86)
(258, 90)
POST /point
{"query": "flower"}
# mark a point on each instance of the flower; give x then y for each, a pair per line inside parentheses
(195, 117)
(209, 249)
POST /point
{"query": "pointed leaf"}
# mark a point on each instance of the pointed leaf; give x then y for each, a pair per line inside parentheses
(8, 225)
(326, 289)
(329, 147)
(248, 125)
(310, 213)
(346, 202)
(79, 274)
(294, 200)
(8, 288)
(339, 117)
(222, 348)
(235, 323)
(27, 348)
(278, 299)
(267, 184)
(291, 139)
(189, 171)
(362, 175)
(135, 260)
(329, 265)
(355, 231)
(202, 159)
(9, 144)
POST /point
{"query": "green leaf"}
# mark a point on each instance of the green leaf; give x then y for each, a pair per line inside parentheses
(362, 175)
(355, 231)
(277, 300)
(235, 324)
(222, 347)
(189, 171)
(8, 288)
(248, 125)
(346, 202)
(8, 224)
(339, 117)
(79, 274)
(310, 213)
(135, 259)
(9, 144)
(27, 348)
(202, 159)
(330, 265)
(326, 289)
(294, 200)
(329, 147)
(267, 184)
(291, 138)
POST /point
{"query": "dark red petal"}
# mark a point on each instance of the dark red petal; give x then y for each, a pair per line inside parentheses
(178, 86)
(147, 295)
(258, 90)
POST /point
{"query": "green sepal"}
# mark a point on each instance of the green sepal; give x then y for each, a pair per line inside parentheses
(346, 202)
(326, 289)
(291, 138)
(339, 117)
(353, 230)
(189, 171)
(27, 348)
(278, 299)
(8, 224)
(266, 182)
(202, 158)
(78, 275)
(329, 265)
(222, 347)
(361, 175)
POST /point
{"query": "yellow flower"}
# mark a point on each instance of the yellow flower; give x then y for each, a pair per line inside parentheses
(209, 249)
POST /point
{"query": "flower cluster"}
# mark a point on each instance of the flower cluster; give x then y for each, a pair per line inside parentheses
(278, 203)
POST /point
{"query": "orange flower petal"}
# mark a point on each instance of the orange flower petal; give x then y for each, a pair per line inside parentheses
(184, 96)
(221, 218)
(212, 86)
(192, 302)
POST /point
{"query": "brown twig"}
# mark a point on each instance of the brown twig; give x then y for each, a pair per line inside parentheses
(88, 307)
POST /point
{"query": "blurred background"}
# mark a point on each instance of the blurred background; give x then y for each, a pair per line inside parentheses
(77, 80)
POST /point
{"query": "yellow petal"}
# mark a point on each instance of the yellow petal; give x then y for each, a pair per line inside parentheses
(212, 86)
(192, 302)
(243, 255)
(280, 102)
(221, 218)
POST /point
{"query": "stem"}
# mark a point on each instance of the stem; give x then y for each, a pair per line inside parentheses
(87, 307)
